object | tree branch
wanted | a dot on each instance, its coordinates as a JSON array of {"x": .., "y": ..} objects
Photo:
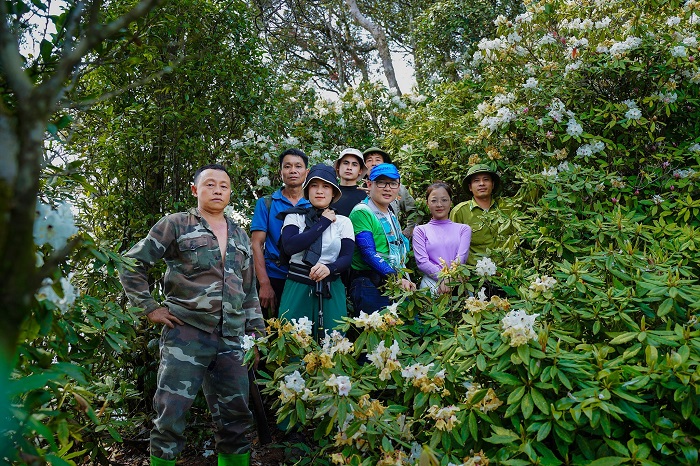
[
  {"x": 96, "y": 33},
  {"x": 12, "y": 64}
]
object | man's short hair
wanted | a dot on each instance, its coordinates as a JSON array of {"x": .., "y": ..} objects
[
  {"x": 212, "y": 166},
  {"x": 296, "y": 152}
]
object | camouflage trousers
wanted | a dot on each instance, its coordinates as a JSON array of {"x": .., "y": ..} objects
[{"x": 189, "y": 359}]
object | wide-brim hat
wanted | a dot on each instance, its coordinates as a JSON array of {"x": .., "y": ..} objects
[
  {"x": 377, "y": 150},
  {"x": 357, "y": 154},
  {"x": 387, "y": 170},
  {"x": 482, "y": 168},
  {"x": 325, "y": 173}
]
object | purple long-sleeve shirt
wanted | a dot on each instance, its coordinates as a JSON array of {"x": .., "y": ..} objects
[{"x": 440, "y": 239}]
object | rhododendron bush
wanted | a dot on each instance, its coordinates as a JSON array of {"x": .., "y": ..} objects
[{"x": 589, "y": 110}]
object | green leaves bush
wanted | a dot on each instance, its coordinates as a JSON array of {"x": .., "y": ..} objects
[{"x": 589, "y": 110}]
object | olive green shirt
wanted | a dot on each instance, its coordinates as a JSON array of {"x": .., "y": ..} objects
[{"x": 491, "y": 228}]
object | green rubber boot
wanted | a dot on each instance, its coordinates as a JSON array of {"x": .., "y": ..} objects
[
  {"x": 155, "y": 461},
  {"x": 234, "y": 459}
]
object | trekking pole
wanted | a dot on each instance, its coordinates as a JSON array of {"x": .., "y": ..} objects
[{"x": 319, "y": 327}]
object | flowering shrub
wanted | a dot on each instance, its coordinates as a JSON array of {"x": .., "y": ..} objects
[{"x": 589, "y": 110}]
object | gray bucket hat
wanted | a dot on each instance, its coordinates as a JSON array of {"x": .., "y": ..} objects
[
  {"x": 358, "y": 156},
  {"x": 325, "y": 173}
]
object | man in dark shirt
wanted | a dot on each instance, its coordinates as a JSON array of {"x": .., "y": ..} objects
[{"x": 350, "y": 168}]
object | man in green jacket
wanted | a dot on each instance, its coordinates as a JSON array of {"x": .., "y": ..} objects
[{"x": 488, "y": 231}]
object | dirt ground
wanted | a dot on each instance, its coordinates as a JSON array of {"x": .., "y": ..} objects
[{"x": 134, "y": 452}]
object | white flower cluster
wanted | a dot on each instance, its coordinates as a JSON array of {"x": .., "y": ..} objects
[
  {"x": 248, "y": 341},
  {"x": 291, "y": 141},
  {"x": 53, "y": 227},
  {"x": 417, "y": 98},
  {"x": 263, "y": 181},
  {"x": 531, "y": 83},
  {"x": 341, "y": 384},
  {"x": 547, "y": 39},
  {"x": 378, "y": 320},
  {"x": 667, "y": 97},
  {"x": 557, "y": 110},
  {"x": 694, "y": 147},
  {"x": 385, "y": 359},
  {"x": 690, "y": 41},
  {"x": 543, "y": 283},
  {"x": 573, "y": 128},
  {"x": 303, "y": 325},
  {"x": 445, "y": 417},
  {"x": 679, "y": 51},
  {"x": 657, "y": 199},
  {"x": 673, "y": 21},
  {"x": 633, "y": 111},
  {"x": 683, "y": 173},
  {"x": 518, "y": 326},
  {"x": 617, "y": 49},
  {"x": 46, "y": 292},
  {"x": 293, "y": 385},
  {"x": 417, "y": 374},
  {"x": 476, "y": 303},
  {"x": 550, "y": 172},
  {"x": 335, "y": 342},
  {"x": 432, "y": 145},
  {"x": 586, "y": 150},
  {"x": 485, "y": 267}
]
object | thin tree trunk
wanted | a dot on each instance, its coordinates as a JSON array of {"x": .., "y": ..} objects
[{"x": 379, "y": 36}]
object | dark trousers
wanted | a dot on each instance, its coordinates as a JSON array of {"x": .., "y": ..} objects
[{"x": 366, "y": 297}]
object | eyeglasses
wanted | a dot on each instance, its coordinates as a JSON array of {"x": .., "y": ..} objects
[{"x": 384, "y": 184}]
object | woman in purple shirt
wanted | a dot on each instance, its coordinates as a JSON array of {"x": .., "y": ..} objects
[{"x": 440, "y": 238}]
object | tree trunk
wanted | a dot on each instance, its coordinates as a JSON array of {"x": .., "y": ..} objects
[{"x": 379, "y": 36}]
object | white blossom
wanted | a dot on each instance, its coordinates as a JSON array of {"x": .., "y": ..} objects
[
  {"x": 673, "y": 21},
  {"x": 248, "y": 342},
  {"x": 263, "y": 181},
  {"x": 690, "y": 41},
  {"x": 531, "y": 83},
  {"x": 573, "y": 128},
  {"x": 678, "y": 51},
  {"x": 657, "y": 199},
  {"x": 341, "y": 384},
  {"x": 485, "y": 267},
  {"x": 291, "y": 141},
  {"x": 633, "y": 114},
  {"x": 543, "y": 283},
  {"x": 550, "y": 172},
  {"x": 47, "y": 292},
  {"x": 518, "y": 326},
  {"x": 53, "y": 226}
]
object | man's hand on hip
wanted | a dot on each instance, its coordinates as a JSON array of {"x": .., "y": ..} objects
[{"x": 163, "y": 316}]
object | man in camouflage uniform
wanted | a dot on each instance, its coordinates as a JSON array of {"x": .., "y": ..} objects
[{"x": 211, "y": 303}]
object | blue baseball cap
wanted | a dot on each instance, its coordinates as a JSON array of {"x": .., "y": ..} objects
[{"x": 388, "y": 170}]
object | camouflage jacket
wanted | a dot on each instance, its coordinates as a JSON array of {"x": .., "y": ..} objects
[{"x": 197, "y": 286}]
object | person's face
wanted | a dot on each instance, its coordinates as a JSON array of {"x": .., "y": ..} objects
[
  {"x": 349, "y": 168},
  {"x": 320, "y": 193},
  {"x": 481, "y": 186},
  {"x": 439, "y": 203},
  {"x": 383, "y": 191},
  {"x": 293, "y": 171},
  {"x": 212, "y": 190},
  {"x": 372, "y": 160}
]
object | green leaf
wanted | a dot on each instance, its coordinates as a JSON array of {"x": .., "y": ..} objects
[
  {"x": 665, "y": 307},
  {"x": 539, "y": 400},
  {"x": 609, "y": 461},
  {"x": 502, "y": 436},
  {"x": 527, "y": 406}
]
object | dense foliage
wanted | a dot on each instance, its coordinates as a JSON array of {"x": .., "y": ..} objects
[{"x": 589, "y": 110}]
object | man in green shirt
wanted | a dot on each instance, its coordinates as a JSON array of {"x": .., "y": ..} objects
[{"x": 486, "y": 215}]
